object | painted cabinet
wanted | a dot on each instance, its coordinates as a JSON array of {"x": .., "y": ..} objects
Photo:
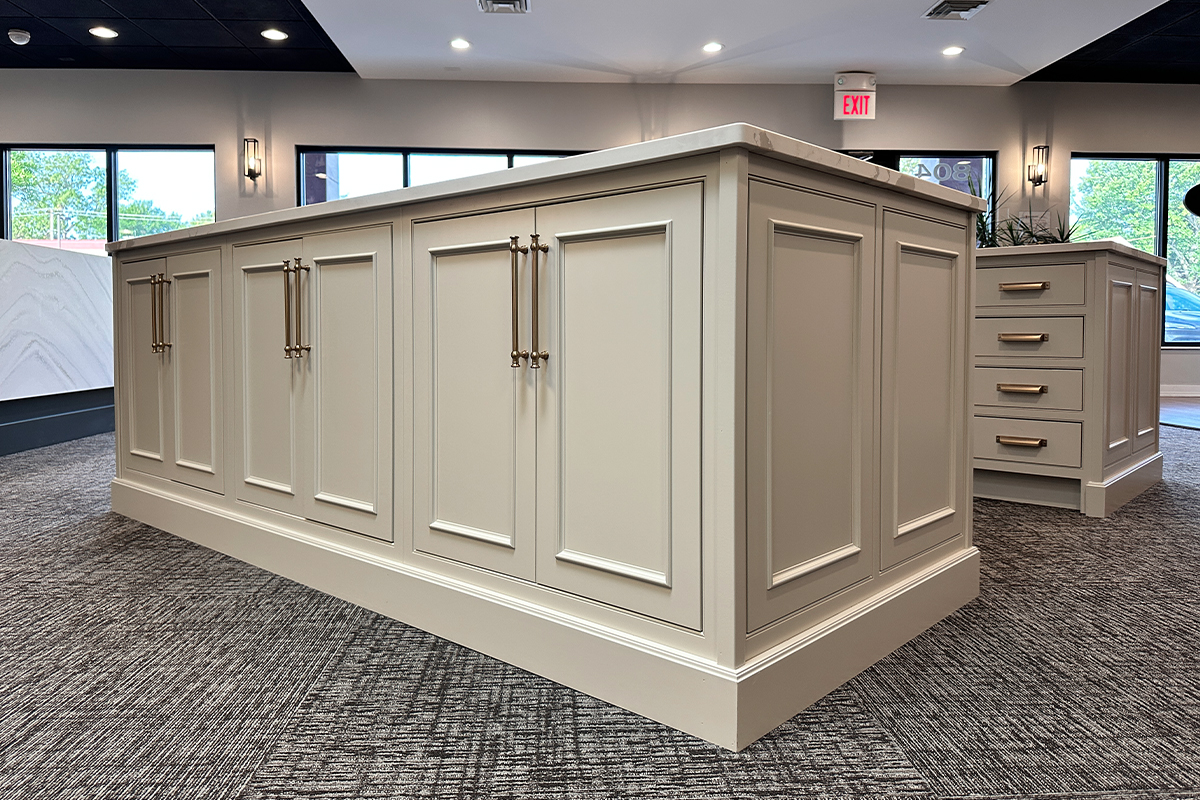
[
  {"x": 1068, "y": 343},
  {"x": 170, "y": 368},
  {"x": 312, "y": 343},
  {"x": 570, "y": 459}
]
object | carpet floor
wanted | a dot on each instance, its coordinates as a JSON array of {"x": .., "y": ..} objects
[{"x": 134, "y": 664}]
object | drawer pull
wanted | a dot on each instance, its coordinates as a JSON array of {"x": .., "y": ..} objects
[
  {"x": 1032, "y": 286},
  {"x": 1023, "y": 337},
  {"x": 516, "y": 251},
  {"x": 1022, "y": 388},
  {"x": 1020, "y": 441}
]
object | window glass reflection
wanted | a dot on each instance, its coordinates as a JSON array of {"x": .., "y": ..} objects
[
  {"x": 433, "y": 167},
  {"x": 59, "y": 198},
  {"x": 164, "y": 190}
]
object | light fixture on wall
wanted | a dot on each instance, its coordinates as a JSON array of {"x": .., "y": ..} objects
[
  {"x": 252, "y": 160},
  {"x": 1037, "y": 164}
]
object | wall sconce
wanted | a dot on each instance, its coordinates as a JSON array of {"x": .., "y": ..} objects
[
  {"x": 1037, "y": 167},
  {"x": 252, "y": 159}
]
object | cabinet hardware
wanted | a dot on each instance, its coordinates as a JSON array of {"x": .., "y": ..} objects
[
  {"x": 154, "y": 313},
  {"x": 516, "y": 250},
  {"x": 1023, "y": 337},
  {"x": 158, "y": 332},
  {"x": 1021, "y": 441},
  {"x": 299, "y": 349},
  {"x": 287, "y": 309},
  {"x": 1022, "y": 388},
  {"x": 534, "y": 249},
  {"x": 1032, "y": 286}
]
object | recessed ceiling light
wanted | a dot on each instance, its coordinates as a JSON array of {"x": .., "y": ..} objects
[
  {"x": 103, "y": 32},
  {"x": 459, "y": 44},
  {"x": 953, "y": 50},
  {"x": 274, "y": 34},
  {"x": 713, "y": 47},
  {"x": 18, "y": 36}
]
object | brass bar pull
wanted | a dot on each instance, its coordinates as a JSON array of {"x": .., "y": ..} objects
[
  {"x": 287, "y": 309},
  {"x": 1023, "y": 337},
  {"x": 154, "y": 314},
  {"x": 1021, "y": 441},
  {"x": 534, "y": 353},
  {"x": 163, "y": 344},
  {"x": 1022, "y": 388},
  {"x": 1032, "y": 286},
  {"x": 298, "y": 348},
  {"x": 516, "y": 251}
]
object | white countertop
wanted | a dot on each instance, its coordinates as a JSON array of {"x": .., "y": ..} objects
[
  {"x": 735, "y": 135},
  {"x": 1111, "y": 245}
]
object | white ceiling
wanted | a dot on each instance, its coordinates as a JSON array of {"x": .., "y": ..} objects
[{"x": 766, "y": 41}]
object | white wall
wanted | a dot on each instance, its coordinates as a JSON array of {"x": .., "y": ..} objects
[{"x": 283, "y": 110}]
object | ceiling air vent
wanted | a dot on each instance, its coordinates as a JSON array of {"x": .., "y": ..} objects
[
  {"x": 504, "y": 6},
  {"x": 951, "y": 9}
]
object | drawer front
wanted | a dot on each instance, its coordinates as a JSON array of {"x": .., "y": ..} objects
[
  {"x": 1048, "y": 285},
  {"x": 1029, "y": 337},
  {"x": 1011, "y": 387},
  {"x": 1030, "y": 441}
]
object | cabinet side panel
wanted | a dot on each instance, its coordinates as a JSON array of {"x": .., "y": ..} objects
[
  {"x": 194, "y": 354},
  {"x": 926, "y": 272},
  {"x": 1149, "y": 343},
  {"x": 1118, "y": 414}
]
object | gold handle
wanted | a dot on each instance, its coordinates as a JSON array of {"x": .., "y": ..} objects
[
  {"x": 287, "y": 309},
  {"x": 1022, "y": 388},
  {"x": 163, "y": 344},
  {"x": 1032, "y": 286},
  {"x": 1021, "y": 441},
  {"x": 534, "y": 353},
  {"x": 1023, "y": 337},
  {"x": 154, "y": 314},
  {"x": 298, "y": 348},
  {"x": 516, "y": 250}
]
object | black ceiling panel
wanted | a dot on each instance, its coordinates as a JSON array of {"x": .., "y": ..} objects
[
  {"x": 168, "y": 34},
  {"x": 1161, "y": 46}
]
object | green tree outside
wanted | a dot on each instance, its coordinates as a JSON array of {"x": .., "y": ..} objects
[{"x": 63, "y": 195}]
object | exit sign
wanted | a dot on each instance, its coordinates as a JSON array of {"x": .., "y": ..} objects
[{"x": 853, "y": 105}]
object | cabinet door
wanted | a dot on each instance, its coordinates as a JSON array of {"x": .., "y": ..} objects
[
  {"x": 1120, "y": 348},
  {"x": 925, "y": 486},
  {"x": 193, "y": 327},
  {"x": 473, "y": 441},
  {"x": 145, "y": 420},
  {"x": 810, "y": 399},
  {"x": 345, "y": 380},
  {"x": 618, "y": 401},
  {"x": 266, "y": 407}
]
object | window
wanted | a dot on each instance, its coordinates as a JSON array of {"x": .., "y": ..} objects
[
  {"x": 80, "y": 198},
  {"x": 1139, "y": 200},
  {"x": 966, "y": 173},
  {"x": 326, "y": 174}
]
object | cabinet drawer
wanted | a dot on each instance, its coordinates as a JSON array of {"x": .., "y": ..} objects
[
  {"x": 1053, "y": 443},
  {"x": 1059, "y": 389},
  {"x": 1022, "y": 337},
  {"x": 1048, "y": 285}
]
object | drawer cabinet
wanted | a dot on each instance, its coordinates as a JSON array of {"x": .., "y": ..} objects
[{"x": 1067, "y": 349}]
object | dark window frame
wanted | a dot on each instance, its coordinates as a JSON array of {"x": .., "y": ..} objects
[
  {"x": 407, "y": 152},
  {"x": 110, "y": 178}
]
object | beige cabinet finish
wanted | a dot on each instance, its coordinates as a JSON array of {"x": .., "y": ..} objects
[
  {"x": 683, "y": 425},
  {"x": 1066, "y": 380},
  {"x": 170, "y": 368}
]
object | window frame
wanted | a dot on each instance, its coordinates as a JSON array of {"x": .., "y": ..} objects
[
  {"x": 1162, "y": 187},
  {"x": 110, "y": 175},
  {"x": 408, "y": 152}
]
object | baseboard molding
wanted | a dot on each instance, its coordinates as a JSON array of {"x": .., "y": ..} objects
[
  {"x": 726, "y": 706},
  {"x": 1179, "y": 390},
  {"x": 31, "y": 422}
]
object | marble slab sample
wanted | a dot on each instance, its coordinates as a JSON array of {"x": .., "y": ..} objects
[{"x": 55, "y": 321}]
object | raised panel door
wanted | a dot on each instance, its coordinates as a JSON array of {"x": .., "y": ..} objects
[
  {"x": 194, "y": 368},
  {"x": 144, "y": 409},
  {"x": 618, "y": 409},
  {"x": 473, "y": 441},
  {"x": 1121, "y": 301},
  {"x": 925, "y": 489},
  {"x": 267, "y": 420},
  {"x": 1147, "y": 356},
  {"x": 344, "y": 379},
  {"x": 810, "y": 399}
]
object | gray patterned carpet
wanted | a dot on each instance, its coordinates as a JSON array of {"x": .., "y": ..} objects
[{"x": 137, "y": 665}]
